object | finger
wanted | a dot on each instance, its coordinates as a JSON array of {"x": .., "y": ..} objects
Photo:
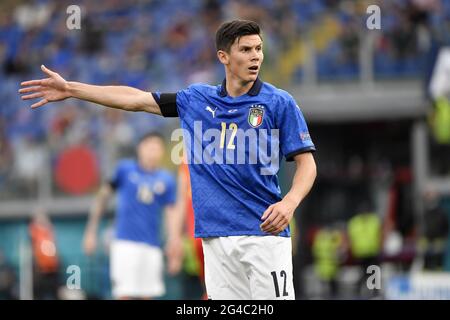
[
  {"x": 274, "y": 224},
  {"x": 30, "y": 89},
  {"x": 47, "y": 70},
  {"x": 270, "y": 219},
  {"x": 282, "y": 226},
  {"x": 33, "y": 96},
  {"x": 275, "y": 233},
  {"x": 279, "y": 230},
  {"x": 268, "y": 224},
  {"x": 267, "y": 212},
  {"x": 280, "y": 223},
  {"x": 31, "y": 82},
  {"x": 39, "y": 104}
]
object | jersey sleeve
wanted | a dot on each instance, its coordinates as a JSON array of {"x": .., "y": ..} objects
[
  {"x": 167, "y": 103},
  {"x": 172, "y": 104},
  {"x": 294, "y": 134},
  {"x": 170, "y": 195},
  {"x": 183, "y": 100}
]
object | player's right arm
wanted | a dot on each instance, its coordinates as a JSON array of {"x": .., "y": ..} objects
[
  {"x": 56, "y": 88},
  {"x": 97, "y": 209}
]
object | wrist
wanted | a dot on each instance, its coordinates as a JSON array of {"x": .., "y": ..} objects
[
  {"x": 294, "y": 200},
  {"x": 174, "y": 238},
  {"x": 91, "y": 229},
  {"x": 70, "y": 88}
]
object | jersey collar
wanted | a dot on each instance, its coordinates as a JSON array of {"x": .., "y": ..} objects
[{"x": 254, "y": 90}]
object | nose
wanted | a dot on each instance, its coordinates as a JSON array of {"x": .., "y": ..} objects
[{"x": 255, "y": 56}]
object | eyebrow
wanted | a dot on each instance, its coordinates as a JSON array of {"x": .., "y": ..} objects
[{"x": 246, "y": 46}]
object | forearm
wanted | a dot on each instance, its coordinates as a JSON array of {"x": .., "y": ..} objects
[
  {"x": 98, "y": 208},
  {"x": 174, "y": 222},
  {"x": 118, "y": 97},
  {"x": 303, "y": 180}
]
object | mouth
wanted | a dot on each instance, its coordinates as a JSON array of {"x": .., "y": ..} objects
[{"x": 253, "y": 69}]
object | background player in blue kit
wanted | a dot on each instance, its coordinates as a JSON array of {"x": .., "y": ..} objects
[
  {"x": 144, "y": 191},
  {"x": 235, "y": 135}
]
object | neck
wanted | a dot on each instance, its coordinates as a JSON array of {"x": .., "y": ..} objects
[
  {"x": 147, "y": 167},
  {"x": 236, "y": 87}
]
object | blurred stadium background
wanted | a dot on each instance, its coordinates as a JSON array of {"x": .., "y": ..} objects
[{"x": 383, "y": 186}]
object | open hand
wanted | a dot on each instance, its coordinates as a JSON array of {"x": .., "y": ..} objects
[{"x": 53, "y": 88}]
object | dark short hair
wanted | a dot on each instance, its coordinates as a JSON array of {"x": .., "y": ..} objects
[
  {"x": 151, "y": 134},
  {"x": 229, "y": 31}
]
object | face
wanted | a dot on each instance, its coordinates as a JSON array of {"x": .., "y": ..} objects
[
  {"x": 244, "y": 59},
  {"x": 150, "y": 152}
]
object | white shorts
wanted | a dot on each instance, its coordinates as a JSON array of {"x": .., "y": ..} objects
[
  {"x": 137, "y": 270},
  {"x": 248, "y": 268}
]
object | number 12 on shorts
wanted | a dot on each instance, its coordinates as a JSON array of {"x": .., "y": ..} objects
[{"x": 275, "y": 283}]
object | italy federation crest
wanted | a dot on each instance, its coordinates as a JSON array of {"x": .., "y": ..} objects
[{"x": 255, "y": 116}]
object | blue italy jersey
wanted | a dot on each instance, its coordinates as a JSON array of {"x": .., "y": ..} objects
[
  {"x": 141, "y": 198},
  {"x": 234, "y": 147}
]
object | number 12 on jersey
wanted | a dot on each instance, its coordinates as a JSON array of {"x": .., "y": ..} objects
[{"x": 233, "y": 127}]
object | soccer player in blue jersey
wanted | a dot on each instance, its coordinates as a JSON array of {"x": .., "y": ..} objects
[
  {"x": 144, "y": 191},
  {"x": 235, "y": 135}
]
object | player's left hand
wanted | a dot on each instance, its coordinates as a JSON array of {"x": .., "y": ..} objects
[{"x": 278, "y": 216}]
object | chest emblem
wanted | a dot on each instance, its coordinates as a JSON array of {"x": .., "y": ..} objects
[
  {"x": 255, "y": 116},
  {"x": 159, "y": 187},
  {"x": 144, "y": 194}
]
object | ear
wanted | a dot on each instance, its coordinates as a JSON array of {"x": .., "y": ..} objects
[{"x": 223, "y": 57}]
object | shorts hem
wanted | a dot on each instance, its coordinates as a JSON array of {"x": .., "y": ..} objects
[
  {"x": 237, "y": 233},
  {"x": 139, "y": 295}
]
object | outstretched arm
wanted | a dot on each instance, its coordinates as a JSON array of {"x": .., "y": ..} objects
[
  {"x": 277, "y": 216},
  {"x": 56, "y": 88}
]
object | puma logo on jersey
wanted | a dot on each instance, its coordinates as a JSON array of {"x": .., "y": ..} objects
[{"x": 208, "y": 108}]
